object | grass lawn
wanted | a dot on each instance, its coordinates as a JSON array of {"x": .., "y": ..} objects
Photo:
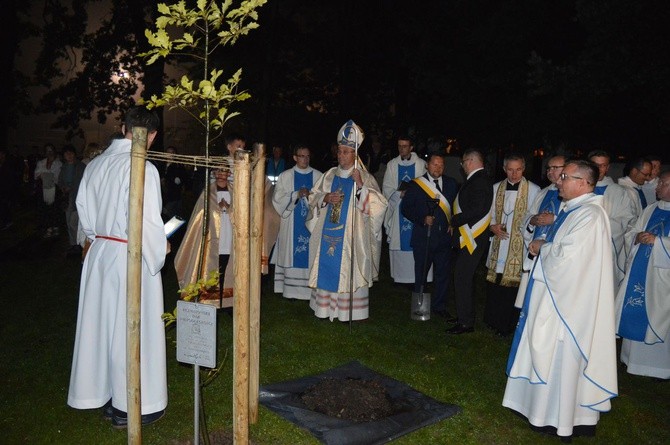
[{"x": 39, "y": 289}]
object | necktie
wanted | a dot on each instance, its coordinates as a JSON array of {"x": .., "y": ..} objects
[{"x": 437, "y": 184}]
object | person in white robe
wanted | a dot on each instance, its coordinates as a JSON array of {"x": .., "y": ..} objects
[
  {"x": 638, "y": 171},
  {"x": 400, "y": 170},
  {"x": 99, "y": 361},
  {"x": 620, "y": 205},
  {"x": 562, "y": 366},
  {"x": 346, "y": 216},
  {"x": 642, "y": 305},
  {"x": 511, "y": 198},
  {"x": 539, "y": 218},
  {"x": 291, "y": 201},
  {"x": 649, "y": 186}
]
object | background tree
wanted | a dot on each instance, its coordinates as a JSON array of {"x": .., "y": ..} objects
[{"x": 79, "y": 61}]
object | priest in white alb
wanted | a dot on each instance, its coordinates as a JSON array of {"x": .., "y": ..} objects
[
  {"x": 643, "y": 302},
  {"x": 291, "y": 201},
  {"x": 399, "y": 172},
  {"x": 562, "y": 366}
]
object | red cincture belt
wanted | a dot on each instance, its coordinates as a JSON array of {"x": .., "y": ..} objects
[{"x": 111, "y": 238}]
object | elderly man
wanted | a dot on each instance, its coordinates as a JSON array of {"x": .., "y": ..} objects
[
  {"x": 291, "y": 201},
  {"x": 562, "y": 364},
  {"x": 638, "y": 171},
  {"x": 472, "y": 208},
  {"x": 347, "y": 211},
  {"x": 621, "y": 210},
  {"x": 643, "y": 306},
  {"x": 511, "y": 199},
  {"x": 99, "y": 363},
  {"x": 399, "y": 172}
]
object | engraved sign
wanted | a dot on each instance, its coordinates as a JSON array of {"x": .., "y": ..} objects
[{"x": 196, "y": 334}]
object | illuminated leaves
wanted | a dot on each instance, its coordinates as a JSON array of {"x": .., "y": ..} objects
[{"x": 196, "y": 33}]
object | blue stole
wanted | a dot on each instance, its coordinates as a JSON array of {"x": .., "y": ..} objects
[
  {"x": 405, "y": 174},
  {"x": 300, "y": 233},
  {"x": 643, "y": 200},
  {"x": 550, "y": 203},
  {"x": 523, "y": 316},
  {"x": 634, "y": 320},
  {"x": 332, "y": 239},
  {"x": 600, "y": 190}
]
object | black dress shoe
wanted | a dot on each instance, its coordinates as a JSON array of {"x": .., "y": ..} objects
[
  {"x": 120, "y": 418},
  {"x": 107, "y": 410},
  {"x": 458, "y": 329}
]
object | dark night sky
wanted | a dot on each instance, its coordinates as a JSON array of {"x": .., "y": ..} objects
[{"x": 575, "y": 74}]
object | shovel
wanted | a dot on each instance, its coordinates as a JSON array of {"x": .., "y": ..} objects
[{"x": 420, "y": 300}]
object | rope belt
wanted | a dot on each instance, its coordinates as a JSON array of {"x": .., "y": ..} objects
[{"x": 111, "y": 238}]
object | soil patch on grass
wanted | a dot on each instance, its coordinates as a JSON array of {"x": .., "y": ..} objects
[{"x": 353, "y": 399}]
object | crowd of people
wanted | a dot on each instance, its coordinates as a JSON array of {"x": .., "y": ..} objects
[{"x": 569, "y": 268}]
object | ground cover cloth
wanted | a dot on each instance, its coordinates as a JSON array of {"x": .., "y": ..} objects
[{"x": 416, "y": 409}]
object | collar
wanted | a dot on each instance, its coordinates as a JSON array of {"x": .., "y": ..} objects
[
  {"x": 512, "y": 187},
  {"x": 473, "y": 172}
]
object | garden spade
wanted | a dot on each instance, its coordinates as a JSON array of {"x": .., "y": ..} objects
[{"x": 421, "y": 300}]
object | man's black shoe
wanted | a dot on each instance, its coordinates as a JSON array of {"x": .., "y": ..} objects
[
  {"x": 460, "y": 329},
  {"x": 107, "y": 410},
  {"x": 120, "y": 418}
]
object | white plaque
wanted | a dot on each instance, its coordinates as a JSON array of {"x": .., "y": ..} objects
[{"x": 196, "y": 334}]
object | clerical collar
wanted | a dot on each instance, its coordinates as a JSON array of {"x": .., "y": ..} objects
[{"x": 512, "y": 187}]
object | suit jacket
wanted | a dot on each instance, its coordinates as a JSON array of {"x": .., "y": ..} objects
[
  {"x": 475, "y": 198},
  {"x": 415, "y": 207}
]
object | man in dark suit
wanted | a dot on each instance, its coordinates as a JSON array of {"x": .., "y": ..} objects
[
  {"x": 471, "y": 219},
  {"x": 427, "y": 203}
]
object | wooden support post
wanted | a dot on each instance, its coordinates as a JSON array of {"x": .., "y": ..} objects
[
  {"x": 256, "y": 248},
  {"x": 134, "y": 284},
  {"x": 241, "y": 188}
]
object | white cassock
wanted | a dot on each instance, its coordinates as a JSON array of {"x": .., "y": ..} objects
[
  {"x": 291, "y": 281},
  {"x": 636, "y": 193},
  {"x": 399, "y": 228},
  {"x": 622, "y": 211},
  {"x": 650, "y": 357},
  {"x": 99, "y": 362},
  {"x": 331, "y": 245},
  {"x": 562, "y": 365}
]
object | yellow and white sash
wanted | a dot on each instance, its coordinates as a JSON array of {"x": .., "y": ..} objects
[
  {"x": 468, "y": 233},
  {"x": 431, "y": 190}
]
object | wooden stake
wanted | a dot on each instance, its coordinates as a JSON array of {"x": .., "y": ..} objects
[
  {"x": 256, "y": 249},
  {"x": 241, "y": 298},
  {"x": 134, "y": 284}
]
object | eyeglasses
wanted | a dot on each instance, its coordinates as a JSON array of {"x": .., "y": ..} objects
[
  {"x": 554, "y": 167},
  {"x": 565, "y": 176},
  {"x": 302, "y": 156},
  {"x": 465, "y": 160}
]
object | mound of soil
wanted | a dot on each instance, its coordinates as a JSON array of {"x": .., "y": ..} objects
[{"x": 357, "y": 400}]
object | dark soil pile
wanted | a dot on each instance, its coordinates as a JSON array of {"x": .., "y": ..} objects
[{"x": 352, "y": 399}]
